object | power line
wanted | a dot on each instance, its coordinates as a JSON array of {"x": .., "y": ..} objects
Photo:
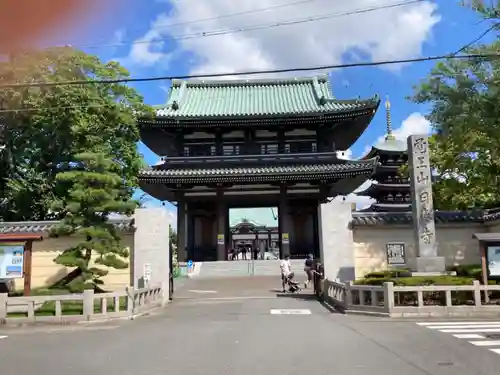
[
  {"x": 477, "y": 39},
  {"x": 285, "y": 23},
  {"x": 487, "y": 56},
  {"x": 231, "y": 15}
]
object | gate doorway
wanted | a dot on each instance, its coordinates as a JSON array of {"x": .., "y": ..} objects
[{"x": 253, "y": 234}]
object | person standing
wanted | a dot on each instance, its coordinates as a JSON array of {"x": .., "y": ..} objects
[
  {"x": 319, "y": 272},
  {"x": 286, "y": 270},
  {"x": 308, "y": 269}
]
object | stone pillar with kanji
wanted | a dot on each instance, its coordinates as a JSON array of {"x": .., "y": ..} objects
[{"x": 424, "y": 228}]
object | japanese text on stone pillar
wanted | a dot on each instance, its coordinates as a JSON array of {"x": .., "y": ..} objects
[{"x": 422, "y": 206}]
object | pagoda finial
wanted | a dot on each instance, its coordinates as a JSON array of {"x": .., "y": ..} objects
[{"x": 388, "y": 119}]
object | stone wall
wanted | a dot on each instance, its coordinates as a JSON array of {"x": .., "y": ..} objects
[
  {"x": 454, "y": 242},
  {"x": 45, "y": 272},
  {"x": 151, "y": 247}
]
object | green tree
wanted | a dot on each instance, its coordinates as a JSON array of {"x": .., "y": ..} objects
[
  {"x": 47, "y": 126},
  {"x": 465, "y": 113},
  {"x": 173, "y": 243},
  {"x": 96, "y": 190},
  {"x": 488, "y": 9}
]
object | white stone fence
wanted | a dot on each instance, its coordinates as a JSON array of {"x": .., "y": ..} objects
[
  {"x": 86, "y": 306},
  {"x": 414, "y": 301}
]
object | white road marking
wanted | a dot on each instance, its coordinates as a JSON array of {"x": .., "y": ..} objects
[
  {"x": 475, "y": 331},
  {"x": 202, "y": 291},
  {"x": 492, "y": 330},
  {"x": 486, "y": 343},
  {"x": 455, "y": 323},
  {"x": 290, "y": 312},
  {"x": 466, "y": 326},
  {"x": 3, "y": 337},
  {"x": 469, "y": 336}
]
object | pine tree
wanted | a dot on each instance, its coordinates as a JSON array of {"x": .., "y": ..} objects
[{"x": 96, "y": 191}]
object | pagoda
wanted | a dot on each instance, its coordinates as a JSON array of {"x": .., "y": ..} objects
[
  {"x": 390, "y": 189},
  {"x": 253, "y": 143}
]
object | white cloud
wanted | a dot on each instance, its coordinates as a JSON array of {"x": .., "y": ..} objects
[
  {"x": 415, "y": 123},
  {"x": 360, "y": 201},
  {"x": 146, "y": 50},
  {"x": 384, "y": 34}
]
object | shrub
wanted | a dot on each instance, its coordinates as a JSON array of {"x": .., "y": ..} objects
[
  {"x": 468, "y": 270},
  {"x": 395, "y": 272},
  {"x": 417, "y": 280}
]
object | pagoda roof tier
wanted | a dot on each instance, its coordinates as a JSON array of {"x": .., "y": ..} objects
[
  {"x": 299, "y": 172},
  {"x": 376, "y": 189},
  {"x": 204, "y": 99},
  {"x": 384, "y": 170},
  {"x": 389, "y": 146}
]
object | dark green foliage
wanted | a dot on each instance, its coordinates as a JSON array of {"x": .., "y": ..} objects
[
  {"x": 96, "y": 190},
  {"x": 468, "y": 270},
  {"x": 57, "y": 122},
  {"x": 464, "y": 102},
  {"x": 417, "y": 280},
  {"x": 397, "y": 272}
]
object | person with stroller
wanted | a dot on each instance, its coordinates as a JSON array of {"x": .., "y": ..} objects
[{"x": 286, "y": 271}]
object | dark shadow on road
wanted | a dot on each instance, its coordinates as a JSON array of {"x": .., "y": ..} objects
[
  {"x": 310, "y": 297},
  {"x": 299, "y": 296}
]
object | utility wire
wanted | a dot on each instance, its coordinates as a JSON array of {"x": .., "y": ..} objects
[
  {"x": 231, "y": 15},
  {"x": 257, "y": 27},
  {"x": 477, "y": 39},
  {"x": 487, "y": 56}
]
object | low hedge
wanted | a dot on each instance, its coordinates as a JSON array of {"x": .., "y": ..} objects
[
  {"x": 398, "y": 272},
  {"x": 467, "y": 270},
  {"x": 417, "y": 280}
]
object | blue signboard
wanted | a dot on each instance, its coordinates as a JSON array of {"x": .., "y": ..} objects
[{"x": 11, "y": 260}]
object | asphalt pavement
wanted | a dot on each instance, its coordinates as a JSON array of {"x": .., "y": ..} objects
[{"x": 219, "y": 333}]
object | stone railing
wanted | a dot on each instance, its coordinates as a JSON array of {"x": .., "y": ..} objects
[
  {"x": 87, "y": 306},
  {"x": 414, "y": 301}
]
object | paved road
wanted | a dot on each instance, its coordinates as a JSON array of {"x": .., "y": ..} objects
[{"x": 207, "y": 335}]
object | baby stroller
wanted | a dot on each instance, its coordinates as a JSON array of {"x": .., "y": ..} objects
[{"x": 293, "y": 286}]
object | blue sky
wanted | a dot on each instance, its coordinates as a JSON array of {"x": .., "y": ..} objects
[{"x": 161, "y": 37}]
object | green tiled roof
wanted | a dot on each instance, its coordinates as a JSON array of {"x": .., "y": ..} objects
[
  {"x": 243, "y": 98},
  {"x": 268, "y": 173}
]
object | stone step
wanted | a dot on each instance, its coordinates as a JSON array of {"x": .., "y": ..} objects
[{"x": 245, "y": 268}]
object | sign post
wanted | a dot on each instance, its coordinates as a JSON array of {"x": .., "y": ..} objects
[
  {"x": 220, "y": 239},
  {"x": 396, "y": 254},
  {"x": 15, "y": 257},
  {"x": 493, "y": 262},
  {"x": 147, "y": 274},
  {"x": 12, "y": 261}
]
